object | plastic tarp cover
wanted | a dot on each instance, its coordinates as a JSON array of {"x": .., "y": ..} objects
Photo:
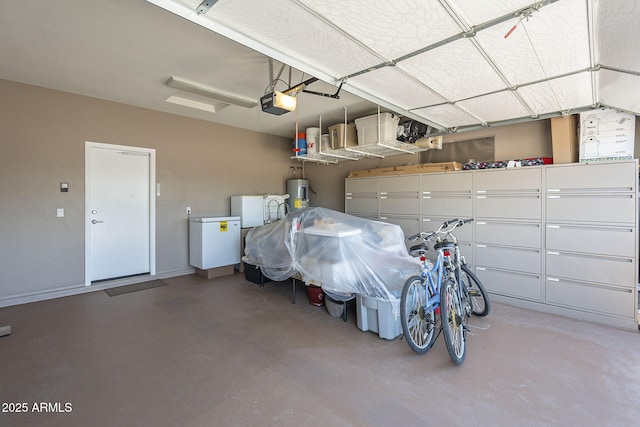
[{"x": 342, "y": 253}]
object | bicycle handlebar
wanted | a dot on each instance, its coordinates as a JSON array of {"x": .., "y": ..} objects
[{"x": 443, "y": 229}]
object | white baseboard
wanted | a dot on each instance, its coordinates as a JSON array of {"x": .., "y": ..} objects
[{"x": 82, "y": 289}]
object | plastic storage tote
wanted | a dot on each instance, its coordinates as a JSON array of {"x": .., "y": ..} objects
[{"x": 367, "y": 128}]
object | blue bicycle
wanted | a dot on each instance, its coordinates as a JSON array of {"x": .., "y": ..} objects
[{"x": 445, "y": 294}]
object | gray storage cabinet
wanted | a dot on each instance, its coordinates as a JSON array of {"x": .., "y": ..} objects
[
  {"x": 591, "y": 238},
  {"x": 400, "y": 202},
  {"x": 446, "y": 196},
  {"x": 556, "y": 238},
  {"x": 508, "y": 240},
  {"x": 361, "y": 197}
]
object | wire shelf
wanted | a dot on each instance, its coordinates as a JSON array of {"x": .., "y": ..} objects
[
  {"x": 380, "y": 150},
  {"x": 388, "y": 148}
]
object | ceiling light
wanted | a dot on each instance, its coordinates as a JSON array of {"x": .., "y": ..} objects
[
  {"x": 196, "y": 104},
  {"x": 209, "y": 92},
  {"x": 278, "y": 103}
]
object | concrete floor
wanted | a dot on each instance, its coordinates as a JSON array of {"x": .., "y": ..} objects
[{"x": 224, "y": 352}]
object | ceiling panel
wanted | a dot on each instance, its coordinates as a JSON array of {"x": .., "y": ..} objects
[
  {"x": 448, "y": 115},
  {"x": 411, "y": 24},
  {"x": 617, "y": 40},
  {"x": 553, "y": 42},
  {"x": 392, "y": 84},
  {"x": 294, "y": 32},
  {"x": 496, "y": 107},
  {"x": 619, "y": 90},
  {"x": 561, "y": 94},
  {"x": 456, "y": 71}
]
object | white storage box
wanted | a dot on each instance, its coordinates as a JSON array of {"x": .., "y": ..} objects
[
  {"x": 367, "y": 128},
  {"x": 380, "y": 316}
]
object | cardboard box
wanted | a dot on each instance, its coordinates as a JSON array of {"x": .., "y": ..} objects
[
  {"x": 409, "y": 169},
  {"x": 564, "y": 139},
  {"x": 212, "y": 273}
]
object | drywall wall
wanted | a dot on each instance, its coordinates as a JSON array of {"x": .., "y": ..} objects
[
  {"x": 530, "y": 139},
  {"x": 42, "y": 143}
]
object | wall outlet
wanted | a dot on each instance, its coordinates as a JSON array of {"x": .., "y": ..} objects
[{"x": 188, "y": 210}]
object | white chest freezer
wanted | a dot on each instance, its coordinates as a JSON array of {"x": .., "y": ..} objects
[{"x": 214, "y": 241}]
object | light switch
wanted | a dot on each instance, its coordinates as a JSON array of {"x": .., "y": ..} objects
[
  {"x": 60, "y": 212},
  {"x": 64, "y": 187}
]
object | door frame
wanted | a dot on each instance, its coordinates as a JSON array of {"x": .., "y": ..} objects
[{"x": 87, "y": 201}]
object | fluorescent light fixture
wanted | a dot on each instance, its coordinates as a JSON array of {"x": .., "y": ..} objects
[
  {"x": 278, "y": 103},
  {"x": 209, "y": 108},
  {"x": 209, "y": 92}
]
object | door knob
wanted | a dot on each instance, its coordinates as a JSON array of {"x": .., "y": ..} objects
[{"x": 95, "y": 221}]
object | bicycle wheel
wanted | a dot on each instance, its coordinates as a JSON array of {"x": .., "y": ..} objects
[
  {"x": 453, "y": 321},
  {"x": 480, "y": 305},
  {"x": 418, "y": 325}
]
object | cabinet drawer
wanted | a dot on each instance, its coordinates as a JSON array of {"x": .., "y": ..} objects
[
  {"x": 508, "y": 258},
  {"x": 616, "y": 241},
  {"x": 590, "y": 297},
  {"x": 509, "y": 180},
  {"x": 355, "y": 204},
  {"x": 516, "y": 206},
  {"x": 410, "y": 224},
  {"x": 510, "y": 283},
  {"x": 607, "y": 208},
  {"x": 464, "y": 233},
  {"x": 361, "y": 185},
  {"x": 405, "y": 203},
  {"x": 447, "y": 182},
  {"x": 391, "y": 184},
  {"x": 591, "y": 268},
  {"x": 449, "y": 205},
  {"x": 509, "y": 233},
  {"x": 604, "y": 176}
]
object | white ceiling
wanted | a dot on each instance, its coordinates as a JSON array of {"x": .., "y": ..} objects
[{"x": 446, "y": 63}]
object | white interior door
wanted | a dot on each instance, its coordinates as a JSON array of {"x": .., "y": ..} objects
[{"x": 119, "y": 211}]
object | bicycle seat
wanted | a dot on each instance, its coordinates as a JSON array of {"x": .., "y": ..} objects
[
  {"x": 441, "y": 245},
  {"x": 418, "y": 250}
]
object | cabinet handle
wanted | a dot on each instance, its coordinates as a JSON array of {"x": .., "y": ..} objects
[
  {"x": 553, "y": 279},
  {"x": 553, "y": 253}
]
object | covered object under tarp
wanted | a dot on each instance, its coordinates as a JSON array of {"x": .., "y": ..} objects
[{"x": 342, "y": 253}]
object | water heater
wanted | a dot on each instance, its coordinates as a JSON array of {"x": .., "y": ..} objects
[{"x": 298, "y": 190}]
